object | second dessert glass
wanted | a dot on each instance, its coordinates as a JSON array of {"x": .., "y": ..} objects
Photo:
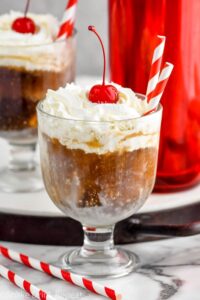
[
  {"x": 99, "y": 173},
  {"x": 20, "y": 90}
]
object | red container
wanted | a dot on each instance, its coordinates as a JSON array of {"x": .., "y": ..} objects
[{"x": 134, "y": 25}]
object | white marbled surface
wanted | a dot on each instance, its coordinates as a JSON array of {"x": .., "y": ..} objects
[{"x": 170, "y": 270}]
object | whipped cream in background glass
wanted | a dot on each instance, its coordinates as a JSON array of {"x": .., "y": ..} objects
[
  {"x": 17, "y": 50},
  {"x": 129, "y": 134}
]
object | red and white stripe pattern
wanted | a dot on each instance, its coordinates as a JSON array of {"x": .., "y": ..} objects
[
  {"x": 156, "y": 94},
  {"x": 24, "y": 284},
  {"x": 67, "y": 24},
  {"x": 156, "y": 65},
  {"x": 77, "y": 280}
]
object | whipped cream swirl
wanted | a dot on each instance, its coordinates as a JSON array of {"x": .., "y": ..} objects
[{"x": 99, "y": 128}]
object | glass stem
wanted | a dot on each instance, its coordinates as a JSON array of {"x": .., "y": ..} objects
[
  {"x": 22, "y": 157},
  {"x": 97, "y": 240}
]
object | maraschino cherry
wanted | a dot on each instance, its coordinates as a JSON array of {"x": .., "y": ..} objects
[
  {"x": 102, "y": 93},
  {"x": 24, "y": 24}
]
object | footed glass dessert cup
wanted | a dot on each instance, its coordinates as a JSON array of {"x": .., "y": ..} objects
[
  {"x": 99, "y": 173},
  {"x": 30, "y": 64}
]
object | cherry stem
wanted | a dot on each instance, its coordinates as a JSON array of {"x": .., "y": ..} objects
[
  {"x": 93, "y": 29},
  {"x": 27, "y": 8}
]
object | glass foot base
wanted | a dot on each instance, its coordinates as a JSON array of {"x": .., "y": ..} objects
[
  {"x": 21, "y": 181},
  {"x": 114, "y": 263}
]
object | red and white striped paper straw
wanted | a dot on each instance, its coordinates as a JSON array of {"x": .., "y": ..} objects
[
  {"x": 77, "y": 280},
  {"x": 67, "y": 25},
  {"x": 24, "y": 284},
  {"x": 155, "y": 65},
  {"x": 156, "y": 94}
]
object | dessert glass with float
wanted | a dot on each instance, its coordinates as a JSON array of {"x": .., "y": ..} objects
[
  {"x": 32, "y": 60},
  {"x": 98, "y": 158}
]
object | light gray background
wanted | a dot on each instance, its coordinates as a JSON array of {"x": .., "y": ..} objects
[{"x": 90, "y": 12}]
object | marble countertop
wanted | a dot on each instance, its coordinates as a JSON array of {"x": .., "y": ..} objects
[{"x": 170, "y": 270}]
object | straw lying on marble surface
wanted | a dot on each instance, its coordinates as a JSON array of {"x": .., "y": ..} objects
[
  {"x": 74, "y": 279},
  {"x": 23, "y": 284}
]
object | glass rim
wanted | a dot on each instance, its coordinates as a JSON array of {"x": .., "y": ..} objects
[
  {"x": 56, "y": 42},
  {"x": 40, "y": 110}
]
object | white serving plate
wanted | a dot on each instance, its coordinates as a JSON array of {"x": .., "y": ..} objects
[{"x": 39, "y": 204}]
